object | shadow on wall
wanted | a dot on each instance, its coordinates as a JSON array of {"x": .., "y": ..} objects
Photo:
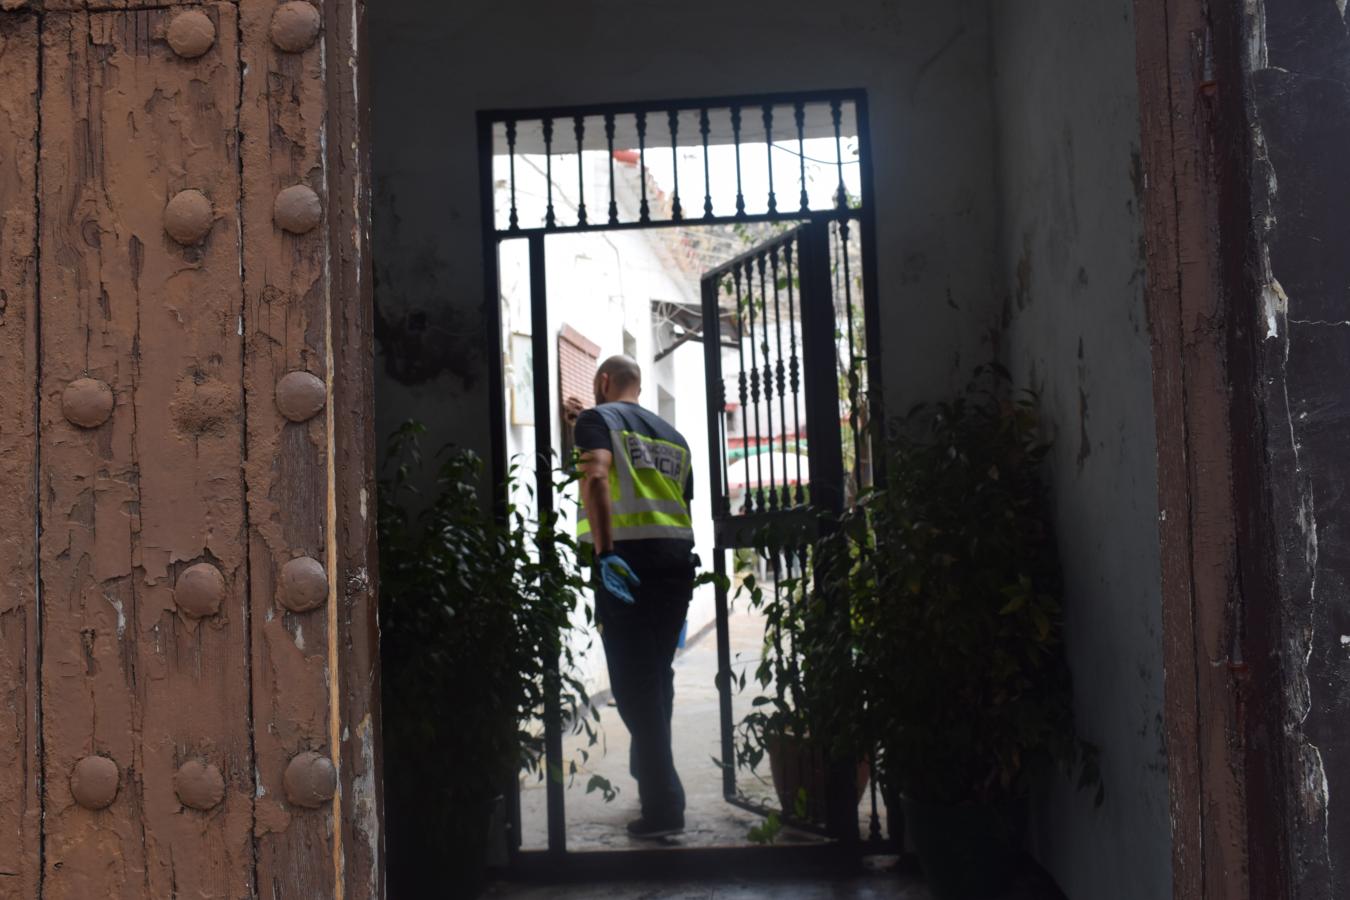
[{"x": 422, "y": 330}]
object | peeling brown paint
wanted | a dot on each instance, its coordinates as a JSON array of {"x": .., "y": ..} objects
[
  {"x": 282, "y": 119},
  {"x": 138, "y": 508},
  {"x": 191, "y": 615},
  {"x": 19, "y": 767}
]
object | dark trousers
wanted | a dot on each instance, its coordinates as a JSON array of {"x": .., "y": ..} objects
[{"x": 640, "y": 642}]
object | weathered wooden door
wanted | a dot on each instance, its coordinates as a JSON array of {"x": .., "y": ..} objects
[{"x": 187, "y": 636}]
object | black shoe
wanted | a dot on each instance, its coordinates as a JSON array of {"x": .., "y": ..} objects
[{"x": 648, "y": 829}]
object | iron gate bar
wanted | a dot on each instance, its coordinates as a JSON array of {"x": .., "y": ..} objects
[
  {"x": 742, "y": 387},
  {"x": 513, "y": 218},
  {"x": 767, "y": 376},
  {"x": 794, "y": 367},
  {"x": 736, "y": 140},
  {"x": 782, "y": 386},
  {"x": 644, "y": 210},
  {"x": 543, "y": 450},
  {"x": 799, "y": 115},
  {"x": 754, "y": 384},
  {"x": 613, "y": 201},
  {"x": 836, "y": 113},
  {"x": 707, "y": 177},
  {"x": 676, "y": 213},
  {"x": 579, "y": 128},
  {"x": 717, "y": 480},
  {"x": 768, "y": 149},
  {"x": 867, "y": 220}
]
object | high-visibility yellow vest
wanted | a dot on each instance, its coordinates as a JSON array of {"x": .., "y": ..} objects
[{"x": 646, "y": 490}]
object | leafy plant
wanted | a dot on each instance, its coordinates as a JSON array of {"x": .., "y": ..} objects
[
  {"x": 955, "y": 617},
  {"x": 475, "y": 613}
]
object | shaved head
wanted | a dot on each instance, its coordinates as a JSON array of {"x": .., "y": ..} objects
[{"x": 618, "y": 378}]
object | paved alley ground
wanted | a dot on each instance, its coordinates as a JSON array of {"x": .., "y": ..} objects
[{"x": 593, "y": 824}]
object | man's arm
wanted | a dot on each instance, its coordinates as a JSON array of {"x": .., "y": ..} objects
[{"x": 595, "y": 465}]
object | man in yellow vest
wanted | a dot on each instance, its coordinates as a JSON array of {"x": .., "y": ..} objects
[{"x": 636, "y": 488}]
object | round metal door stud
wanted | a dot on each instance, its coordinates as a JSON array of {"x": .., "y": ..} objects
[
  {"x": 295, "y": 25},
  {"x": 94, "y": 782},
  {"x": 87, "y": 402},
  {"x": 310, "y": 780},
  {"x": 188, "y": 217},
  {"x": 300, "y": 396},
  {"x": 199, "y": 785},
  {"x": 191, "y": 34},
  {"x": 297, "y": 209},
  {"x": 200, "y": 591},
  {"x": 304, "y": 585}
]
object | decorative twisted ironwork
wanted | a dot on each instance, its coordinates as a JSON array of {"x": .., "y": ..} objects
[
  {"x": 676, "y": 213},
  {"x": 799, "y": 114},
  {"x": 768, "y": 148},
  {"x": 579, "y": 128},
  {"x": 748, "y": 505},
  {"x": 514, "y": 220},
  {"x": 703, "y": 129},
  {"x": 768, "y": 379},
  {"x": 550, "y": 220},
  {"x": 644, "y": 210},
  {"x": 754, "y": 387},
  {"x": 837, "y": 116},
  {"x": 736, "y": 139},
  {"x": 794, "y": 365},
  {"x": 781, "y": 374},
  {"x": 609, "y": 140}
]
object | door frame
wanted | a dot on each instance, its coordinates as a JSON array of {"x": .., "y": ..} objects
[{"x": 863, "y": 212}]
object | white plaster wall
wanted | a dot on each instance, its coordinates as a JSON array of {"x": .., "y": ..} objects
[{"x": 1074, "y": 329}]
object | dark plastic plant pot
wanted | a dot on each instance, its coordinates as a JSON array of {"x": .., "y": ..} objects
[{"x": 968, "y": 851}]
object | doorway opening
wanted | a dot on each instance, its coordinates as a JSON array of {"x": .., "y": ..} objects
[{"x": 727, "y": 245}]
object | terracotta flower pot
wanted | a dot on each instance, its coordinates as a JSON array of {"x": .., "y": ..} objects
[{"x": 798, "y": 764}]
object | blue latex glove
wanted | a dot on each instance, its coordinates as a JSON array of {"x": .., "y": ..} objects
[{"x": 618, "y": 577}]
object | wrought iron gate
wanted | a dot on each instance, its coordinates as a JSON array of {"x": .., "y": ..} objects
[
  {"x": 825, "y": 252},
  {"x": 788, "y": 446}
]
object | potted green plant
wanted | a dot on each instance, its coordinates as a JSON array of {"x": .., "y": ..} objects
[
  {"x": 954, "y": 590},
  {"x": 786, "y": 724},
  {"x": 474, "y": 611}
]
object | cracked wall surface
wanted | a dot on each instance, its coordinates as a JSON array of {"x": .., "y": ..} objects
[
  {"x": 1299, "y": 103},
  {"x": 1073, "y": 328}
]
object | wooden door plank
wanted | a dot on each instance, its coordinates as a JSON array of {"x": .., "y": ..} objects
[
  {"x": 1181, "y": 118},
  {"x": 288, "y": 474},
  {"x": 20, "y": 812},
  {"x": 140, "y": 674},
  {"x": 348, "y": 161}
]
